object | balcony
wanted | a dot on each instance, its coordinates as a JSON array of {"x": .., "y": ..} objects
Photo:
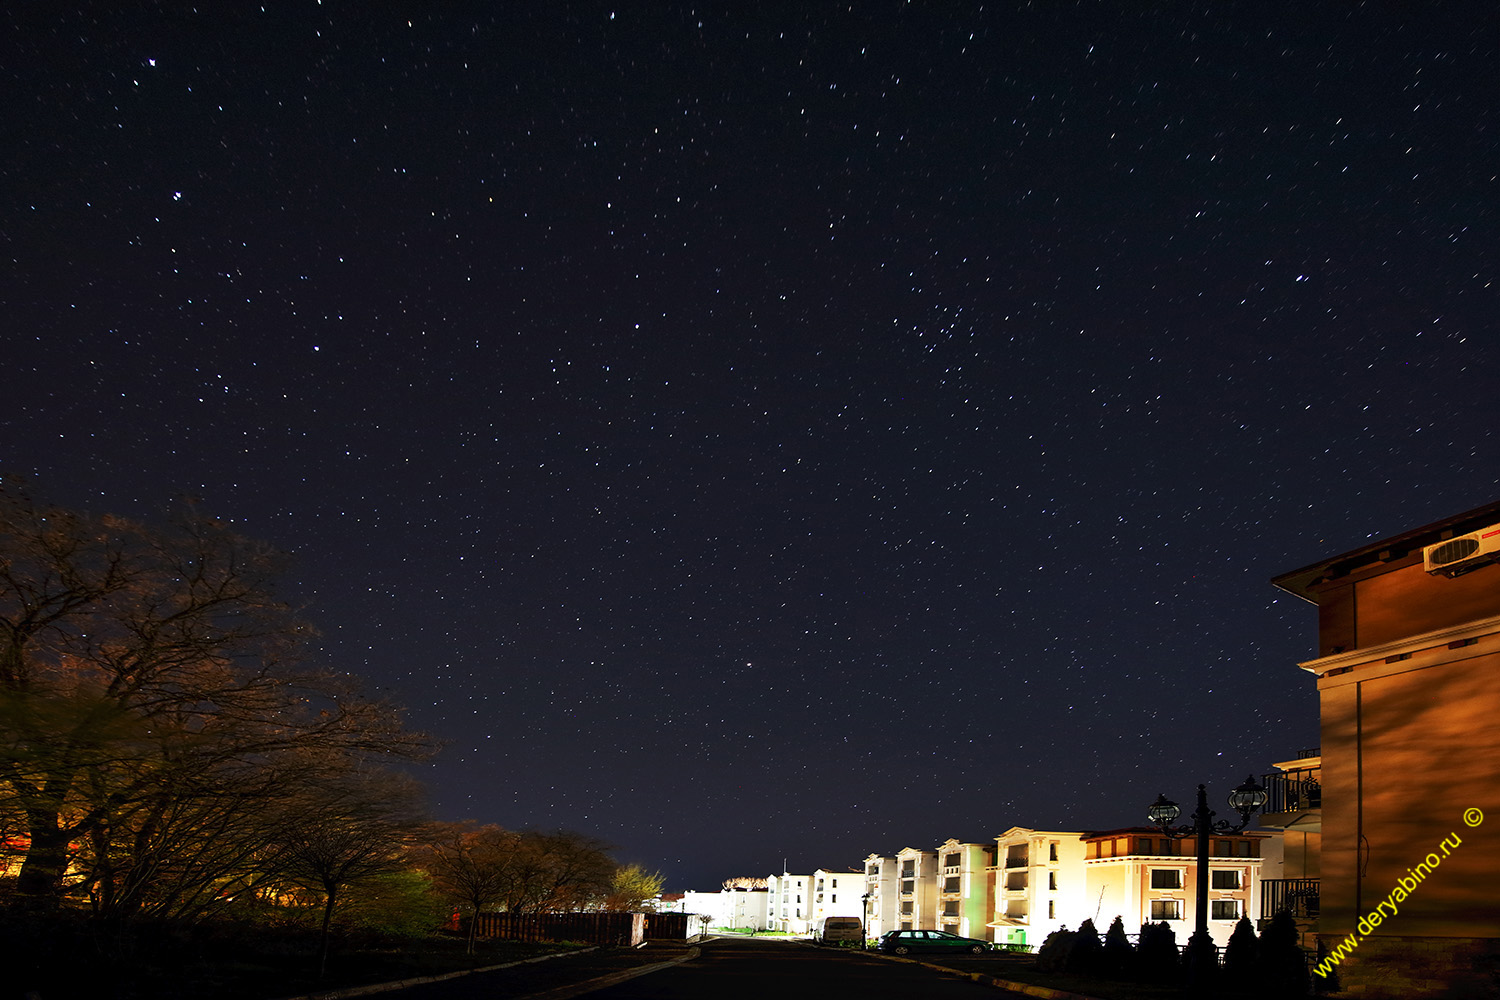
[
  {"x": 1017, "y": 862},
  {"x": 1294, "y": 799},
  {"x": 1298, "y": 896}
]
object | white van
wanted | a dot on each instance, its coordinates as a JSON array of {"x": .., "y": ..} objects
[{"x": 841, "y": 931}]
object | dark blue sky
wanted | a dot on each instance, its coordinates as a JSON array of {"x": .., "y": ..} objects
[{"x": 772, "y": 433}]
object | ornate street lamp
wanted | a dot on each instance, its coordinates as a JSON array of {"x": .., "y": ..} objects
[
  {"x": 1246, "y": 800},
  {"x": 864, "y": 930}
]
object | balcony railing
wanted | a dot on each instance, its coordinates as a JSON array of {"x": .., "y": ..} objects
[
  {"x": 1298, "y": 896},
  {"x": 1019, "y": 862},
  {"x": 1297, "y": 790}
]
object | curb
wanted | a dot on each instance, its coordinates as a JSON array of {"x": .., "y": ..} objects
[
  {"x": 401, "y": 984},
  {"x": 984, "y": 979}
]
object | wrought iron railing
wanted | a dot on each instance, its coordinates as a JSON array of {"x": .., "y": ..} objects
[
  {"x": 1297, "y": 790},
  {"x": 1298, "y": 896}
]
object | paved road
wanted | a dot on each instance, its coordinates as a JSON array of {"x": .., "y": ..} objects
[{"x": 738, "y": 969}]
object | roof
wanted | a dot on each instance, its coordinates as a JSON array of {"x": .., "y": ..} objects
[
  {"x": 1300, "y": 582},
  {"x": 1156, "y": 830}
]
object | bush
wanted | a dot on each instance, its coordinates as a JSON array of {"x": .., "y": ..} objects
[
  {"x": 1052, "y": 956},
  {"x": 1282, "y": 965},
  {"x": 1087, "y": 953},
  {"x": 1156, "y": 958},
  {"x": 1119, "y": 955},
  {"x": 1242, "y": 954}
]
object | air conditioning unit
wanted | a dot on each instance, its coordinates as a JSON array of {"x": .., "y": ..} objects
[{"x": 1461, "y": 554}]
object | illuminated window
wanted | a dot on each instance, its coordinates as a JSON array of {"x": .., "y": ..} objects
[
  {"x": 1166, "y": 909},
  {"x": 1225, "y": 880},
  {"x": 1224, "y": 909},
  {"x": 1166, "y": 878}
]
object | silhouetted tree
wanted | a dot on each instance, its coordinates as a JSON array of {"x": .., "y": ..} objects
[
  {"x": 1156, "y": 955},
  {"x": 1283, "y": 965},
  {"x": 1242, "y": 954},
  {"x": 1087, "y": 951},
  {"x": 1119, "y": 955}
]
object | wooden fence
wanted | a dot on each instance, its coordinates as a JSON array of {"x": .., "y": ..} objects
[{"x": 595, "y": 928}]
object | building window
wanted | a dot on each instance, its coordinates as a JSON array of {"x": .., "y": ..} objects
[
  {"x": 950, "y": 908},
  {"x": 1242, "y": 849},
  {"x": 905, "y": 908},
  {"x": 1225, "y": 879},
  {"x": 950, "y": 861},
  {"x": 908, "y": 887},
  {"x": 1166, "y": 878},
  {"x": 1224, "y": 909},
  {"x": 835, "y": 898},
  {"x": 1051, "y": 908},
  {"x": 1146, "y": 845},
  {"x": 1052, "y": 880},
  {"x": 950, "y": 884},
  {"x": 1052, "y": 851},
  {"x": 906, "y": 925},
  {"x": 873, "y": 870},
  {"x": 908, "y": 870},
  {"x": 1166, "y": 909}
]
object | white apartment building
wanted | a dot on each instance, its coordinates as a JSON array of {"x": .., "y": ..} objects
[
  {"x": 1040, "y": 885},
  {"x": 789, "y": 904},
  {"x": 965, "y": 891},
  {"x": 916, "y": 889},
  {"x": 730, "y": 909},
  {"x": 883, "y": 903}
]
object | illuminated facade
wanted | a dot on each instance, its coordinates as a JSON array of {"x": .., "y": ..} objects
[
  {"x": 965, "y": 891},
  {"x": 731, "y": 908},
  {"x": 789, "y": 903},
  {"x": 1141, "y": 876},
  {"x": 1038, "y": 885},
  {"x": 881, "y": 888},
  {"x": 916, "y": 889},
  {"x": 1408, "y": 681}
]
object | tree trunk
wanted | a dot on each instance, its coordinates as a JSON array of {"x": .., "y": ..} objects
[
  {"x": 332, "y": 898},
  {"x": 40, "y": 881}
]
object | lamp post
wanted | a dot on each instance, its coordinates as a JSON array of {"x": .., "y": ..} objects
[
  {"x": 864, "y": 922},
  {"x": 1245, "y": 800}
]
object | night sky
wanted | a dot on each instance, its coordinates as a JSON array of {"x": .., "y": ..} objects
[{"x": 756, "y": 433}]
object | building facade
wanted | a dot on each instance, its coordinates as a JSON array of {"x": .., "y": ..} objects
[
  {"x": 1140, "y": 875},
  {"x": 883, "y": 904},
  {"x": 1038, "y": 880},
  {"x": 1408, "y": 682},
  {"x": 916, "y": 889},
  {"x": 965, "y": 892}
]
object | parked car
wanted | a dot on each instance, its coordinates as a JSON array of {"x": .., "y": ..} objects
[
  {"x": 902, "y": 942},
  {"x": 842, "y": 930}
]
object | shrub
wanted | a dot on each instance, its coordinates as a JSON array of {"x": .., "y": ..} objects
[
  {"x": 1119, "y": 954},
  {"x": 1283, "y": 967},
  {"x": 1156, "y": 958},
  {"x": 1242, "y": 954}
]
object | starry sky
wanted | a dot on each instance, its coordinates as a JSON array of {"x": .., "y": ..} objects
[{"x": 771, "y": 433}]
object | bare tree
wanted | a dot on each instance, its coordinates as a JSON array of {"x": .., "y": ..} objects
[
  {"x": 472, "y": 865},
  {"x": 150, "y": 682},
  {"x": 353, "y": 831},
  {"x": 558, "y": 871}
]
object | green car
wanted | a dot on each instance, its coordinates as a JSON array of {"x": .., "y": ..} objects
[{"x": 904, "y": 942}]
